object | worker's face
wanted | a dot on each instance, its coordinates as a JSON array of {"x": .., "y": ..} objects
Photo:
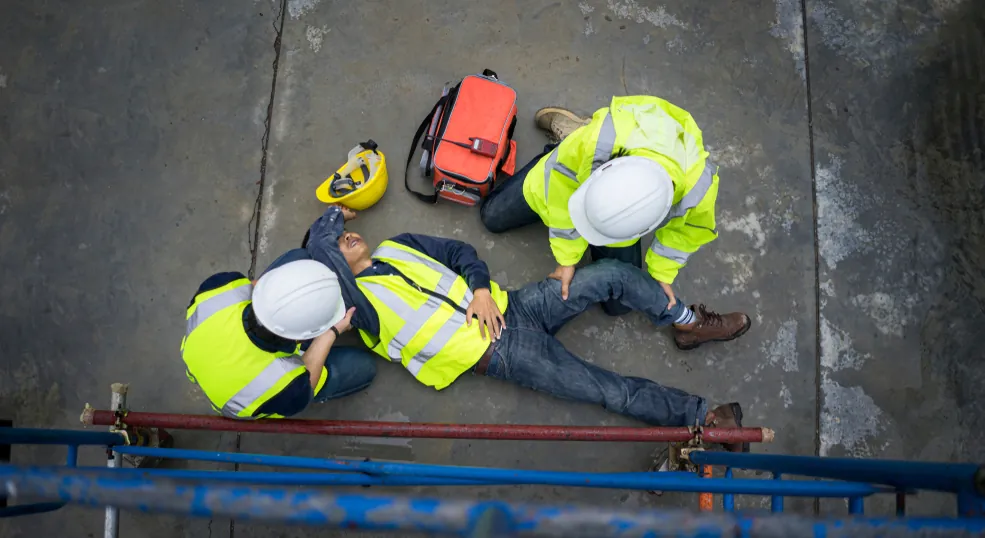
[{"x": 353, "y": 248}]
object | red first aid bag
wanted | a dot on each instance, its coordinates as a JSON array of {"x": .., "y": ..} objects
[{"x": 467, "y": 140}]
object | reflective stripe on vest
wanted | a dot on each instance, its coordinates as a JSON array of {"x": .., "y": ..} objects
[
  {"x": 605, "y": 143},
  {"x": 260, "y": 385},
  {"x": 565, "y": 171},
  {"x": 548, "y": 166},
  {"x": 688, "y": 202},
  {"x": 661, "y": 249},
  {"x": 273, "y": 372},
  {"x": 447, "y": 276},
  {"x": 213, "y": 304},
  {"x": 416, "y": 319},
  {"x": 694, "y": 196},
  {"x": 561, "y": 233}
]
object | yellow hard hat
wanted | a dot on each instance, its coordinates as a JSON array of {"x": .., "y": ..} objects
[{"x": 360, "y": 182}]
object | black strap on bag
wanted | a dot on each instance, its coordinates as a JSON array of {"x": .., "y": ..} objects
[{"x": 431, "y": 198}]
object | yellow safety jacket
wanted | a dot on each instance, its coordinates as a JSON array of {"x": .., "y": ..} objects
[
  {"x": 422, "y": 316},
  {"x": 637, "y": 125},
  {"x": 236, "y": 375}
]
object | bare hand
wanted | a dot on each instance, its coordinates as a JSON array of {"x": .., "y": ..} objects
[
  {"x": 670, "y": 294},
  {"x": 485, "y": 308},
  {"x": 347, "y": 214},
  {"x": 345, "y": 323},
  {"x": 564, "y": 273}
]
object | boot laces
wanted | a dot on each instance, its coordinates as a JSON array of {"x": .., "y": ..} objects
[{"x": 709, "y": 317}]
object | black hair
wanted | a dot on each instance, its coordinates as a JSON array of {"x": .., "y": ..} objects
[{"x": 261, "y": 336}]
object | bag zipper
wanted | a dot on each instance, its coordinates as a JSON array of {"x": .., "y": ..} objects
[{"x": 435, "y": 294}]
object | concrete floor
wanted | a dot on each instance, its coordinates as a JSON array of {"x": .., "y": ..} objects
[{"x": 131, "y": 142}]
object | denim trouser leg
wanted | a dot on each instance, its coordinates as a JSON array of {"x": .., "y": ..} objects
[
  {"x": 598, "y": 282},
  {"x": 529, "y": 355},
  {"x": 632, "y": 255},
  {"x": 505, "y": 208},
  {"x": 350, "y": 370},
  {"x": 536, "y": 360}
]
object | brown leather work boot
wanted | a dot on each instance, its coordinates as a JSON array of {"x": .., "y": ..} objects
[
  {"x": 709, "y": 326},
  {"x": 558, "y": 122},
  {"x": 727, "y": 416}
]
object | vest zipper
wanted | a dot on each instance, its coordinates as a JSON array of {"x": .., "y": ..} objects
[{"x": 431, "y": 293}]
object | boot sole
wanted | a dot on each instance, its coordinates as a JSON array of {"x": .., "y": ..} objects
[
  {"x": 742, "y": 331},
  {"x": 558, "y": 110}
]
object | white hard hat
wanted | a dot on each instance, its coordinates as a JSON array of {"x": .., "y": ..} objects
[
  {"x": 298, "y": 300},
  {"x": 625, "y": 198}
]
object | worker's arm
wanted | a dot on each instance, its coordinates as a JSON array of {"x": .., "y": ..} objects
[
  {"x": 326, "y": 230},
  {"x": 323, "y": 246},
  {"x": 293, "y": 255},
  {"x": 458, "y": 256},
  {"x": 314, "y": 358},
  {"x": 296, "y": 396},
  {"x": 674, "y": 243},
  {"x": 574, "y": 162}
]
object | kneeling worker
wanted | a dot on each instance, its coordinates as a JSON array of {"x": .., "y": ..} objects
[
  {"x": 416, "y": 297},
  {"x": 637, "y": 167},
  {"x": 242, "y": 341}
]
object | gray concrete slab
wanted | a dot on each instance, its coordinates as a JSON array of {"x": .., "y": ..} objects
[
  {"x": 129, "y": 150},
  {"x": 348, "y": 74},
  {"x": 898, "y": 137}
]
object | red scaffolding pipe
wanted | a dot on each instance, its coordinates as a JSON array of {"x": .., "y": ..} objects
[{"x": 423, "y": 430}]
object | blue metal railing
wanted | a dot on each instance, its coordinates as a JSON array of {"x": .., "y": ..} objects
[
  {"x": 72, "y": 439},
  {"x": 273, "y": 496}
]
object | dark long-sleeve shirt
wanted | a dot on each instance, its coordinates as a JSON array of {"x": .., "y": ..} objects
[{"x": 323, "y": 246}]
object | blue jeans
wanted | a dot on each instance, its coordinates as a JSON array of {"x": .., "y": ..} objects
[
  {"x": 350, "y": 370},
  {"x": 506, "y": 209},
  {"x": 528, "y": 353}
]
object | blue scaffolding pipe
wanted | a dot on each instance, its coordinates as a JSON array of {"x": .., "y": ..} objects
[
  {"x": 35, "y": 436},
  {"x": 274, "y": 478},
  {"x": 316, "y": 507},
  {"x": 776, "y": 502},
  {"x": 686, "y": 482},
  {"x": 952, "y": 477},
  {"x": 728, "y": 499},
  {"x": 71, "y": 460}
]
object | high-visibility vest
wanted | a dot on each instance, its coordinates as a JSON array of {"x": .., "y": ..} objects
[
  {"x": 422, "y": 316},
  {"x": 637, "y": 125},
  {"x": 236, "y": 375}
]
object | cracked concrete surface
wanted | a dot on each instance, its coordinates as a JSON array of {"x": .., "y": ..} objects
[{"x": 130, "y": 149}]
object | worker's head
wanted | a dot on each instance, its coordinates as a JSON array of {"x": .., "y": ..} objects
[
  {"x": 298, "y": 300},
  {"x": 355, "y": 250},
  {"x": 624, "y": 199}
]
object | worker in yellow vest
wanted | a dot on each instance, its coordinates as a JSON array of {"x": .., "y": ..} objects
[
  {"x": 635, "y": 168},
  {"x": 428, "y": 304},
  {"x": 267, "y": 351}
]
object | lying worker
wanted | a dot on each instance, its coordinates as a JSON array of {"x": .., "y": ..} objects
[
  {"x": 416, "y": 297},
  {"x": 242, "y": 341},
  {"x": 637, "y": 167}
]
